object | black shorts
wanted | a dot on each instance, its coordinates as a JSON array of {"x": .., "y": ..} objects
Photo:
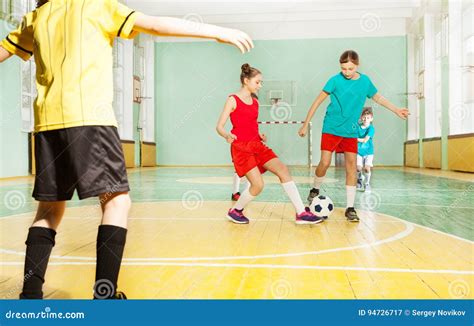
[{"x": 89, "y": 159}]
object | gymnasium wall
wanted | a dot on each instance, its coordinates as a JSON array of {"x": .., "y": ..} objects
[
  {"x": 13, "y": 142},
  {"x": 192, "y": 81},
  {"x": 441, "y": 123}
]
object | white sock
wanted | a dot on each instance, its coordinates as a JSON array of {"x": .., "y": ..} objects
[
  {"x": 367, "y": 177},
  {"x": 359, "y": 175},
  {"x": 247, "y": 184},
  {"x": 294, "y": 195},
  {"x": 236, "y": 184},
  {"x": 318, "y": 181},
  {"x": 244, "y": 199},
  {"x": 350, "y": 195}
]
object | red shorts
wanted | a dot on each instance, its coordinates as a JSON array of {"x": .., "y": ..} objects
[
  {"x": 339, "y": 144},
  {"x": 247, "y": 155}
]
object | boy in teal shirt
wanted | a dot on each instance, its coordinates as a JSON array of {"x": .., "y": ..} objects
[{"x": 365, "y": 150}]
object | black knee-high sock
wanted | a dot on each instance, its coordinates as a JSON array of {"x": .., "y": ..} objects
[
  {"x": 39, "y": 244},
  {"x": 110, "y": 245}
]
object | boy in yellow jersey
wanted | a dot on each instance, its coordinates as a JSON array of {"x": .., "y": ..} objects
[{"x": 77, "y": 146}]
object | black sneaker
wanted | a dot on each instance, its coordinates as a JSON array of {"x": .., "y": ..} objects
[
  {"x": 312, "y": 194},
  {"x": 351, "y": 214}
]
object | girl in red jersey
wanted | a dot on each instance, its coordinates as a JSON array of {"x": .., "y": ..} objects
[{"x": 251, "y": 157}]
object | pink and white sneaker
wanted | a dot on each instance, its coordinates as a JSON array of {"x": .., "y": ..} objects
[
  {"x": 308, "y": 218},
  {"x": 237, "y": 216}
]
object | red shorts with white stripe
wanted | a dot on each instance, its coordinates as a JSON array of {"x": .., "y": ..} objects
[
  {"x": 247, "y": 155},
  {"x": 339, "y": 144}
]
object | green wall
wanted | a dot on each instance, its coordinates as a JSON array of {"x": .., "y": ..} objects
[
  {"x": 193, "y": 80},
  {"x": 13, "y": 142}
]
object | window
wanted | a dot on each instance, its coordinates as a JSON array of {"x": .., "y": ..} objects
[
  {"x": 28, "y": 69},
  {"x": 468, "y": 57},
  {"x": 4, "y": 8},
  {"x": 28, "y": 95},
  {"x": 444, "y": 35},
  {"x": 413, "y": 118},
  {"x": 433, "y": 126},
  {"x": 148, "y": 119},
  {"x": 118, "y": 103},
  {"x": 461, "y": 110}
]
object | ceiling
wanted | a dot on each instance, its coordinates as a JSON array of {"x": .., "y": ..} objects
[
  {"x": 225, "y": 11},
  {"x": 292, "y": 19}
]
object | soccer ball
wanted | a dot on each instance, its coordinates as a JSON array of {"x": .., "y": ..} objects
[{"x": 322, "y": 206}]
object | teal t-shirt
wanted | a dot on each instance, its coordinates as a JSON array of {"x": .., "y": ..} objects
[
  {"x": 347, "y": 101},
  {"x": 367, "y": 148}
]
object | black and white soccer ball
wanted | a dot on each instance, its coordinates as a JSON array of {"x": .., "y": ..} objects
[{"x": 322, "y": 206}]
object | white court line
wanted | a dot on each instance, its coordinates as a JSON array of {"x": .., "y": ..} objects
[
  {"x": 434, "y": 230},
  {"x": 220, "y": 219},
  {"x": 28, "y": 215},
  {"x": 271, "y": 266},
  {"x": 409, "y": 229}
]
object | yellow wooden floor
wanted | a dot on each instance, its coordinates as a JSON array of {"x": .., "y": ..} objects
[{"x": 189, "y": 250}]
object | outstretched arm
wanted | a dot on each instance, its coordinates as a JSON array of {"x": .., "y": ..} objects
[
  {"x": 169, "y": 26},
  {"x": 402, "y": 113},
  {"x": 4, "y": 54},
  {"x": 363, "y": 140},
  {"x": 228, "y": 107},
  {"x": 312, "y": 110}
]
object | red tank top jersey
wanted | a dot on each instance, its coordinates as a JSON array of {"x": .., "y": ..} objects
[{"x": 244, "y": 120}]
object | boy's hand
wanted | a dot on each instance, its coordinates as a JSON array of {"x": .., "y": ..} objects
[
  {"x": 230, "y": 138},
  {"x": 263, "y": 137},
  {"x": 237, "y": 38},
  {"x": 402, "y": 113},
  {"x": 303, "y": 130}
]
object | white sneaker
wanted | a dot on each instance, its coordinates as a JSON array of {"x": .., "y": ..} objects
[{"x": 368, "y": 188}]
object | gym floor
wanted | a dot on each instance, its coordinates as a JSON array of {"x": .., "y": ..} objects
[{"x": 415, "y": 239}]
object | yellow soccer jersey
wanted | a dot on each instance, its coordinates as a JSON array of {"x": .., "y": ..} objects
[{"x": 72, "y": 41}]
